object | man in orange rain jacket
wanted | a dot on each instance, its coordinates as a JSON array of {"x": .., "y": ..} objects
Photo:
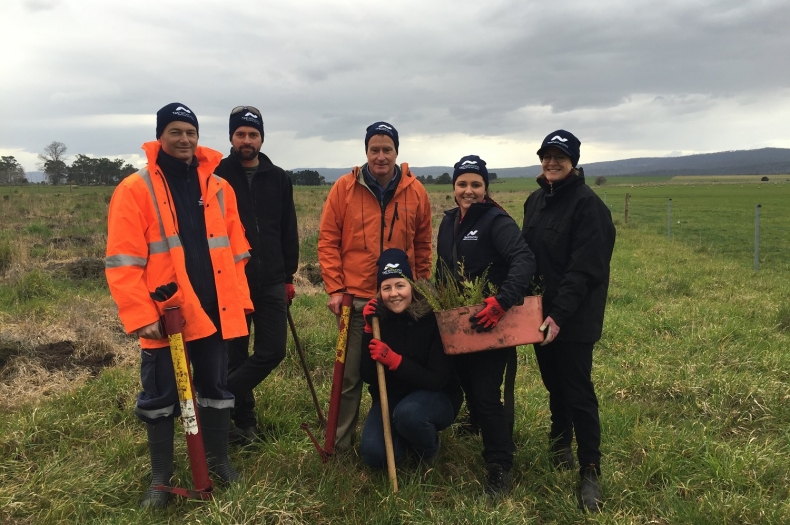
[
  {"x": 378, "y": 206},
  {"x": 176, "y": 222}
]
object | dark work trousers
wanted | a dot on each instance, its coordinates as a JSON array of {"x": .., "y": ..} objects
[
  {"x": 268, "y": 350},
  {"x": 209, "y": 359},
  {"x": 481, "y": 375},
  {"x": 566, "y": 370}
]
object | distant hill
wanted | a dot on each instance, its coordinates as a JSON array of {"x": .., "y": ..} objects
[{"x": 765, "y": 161}]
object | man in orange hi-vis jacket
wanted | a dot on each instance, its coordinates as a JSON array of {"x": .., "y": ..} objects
[
  {"x": 378, "y": 206},
  {"x": 174, "y": 221}
]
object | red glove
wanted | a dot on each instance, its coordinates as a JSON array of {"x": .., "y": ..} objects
[
  {"x": 488, "y": 317},
  {"x": 551, "y": 329},
  {"x": 371, "y": 310},
  {"x": 290, "y": 293},
  {"x": 382, "y": 353}
]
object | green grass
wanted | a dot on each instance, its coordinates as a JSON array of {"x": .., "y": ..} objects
[{"x": 691, "y": 374}]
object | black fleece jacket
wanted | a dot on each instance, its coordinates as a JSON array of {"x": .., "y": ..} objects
[
  {"x": 184, "y": 185},
  {"x": 414, "y": 335},
  {"x": 570, "y": 230},
  {"x": 486, "y": 239},
  {"x": 268, "y": 215}
]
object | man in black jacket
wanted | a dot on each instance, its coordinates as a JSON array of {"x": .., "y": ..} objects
[{"x": 265, "y": 199}]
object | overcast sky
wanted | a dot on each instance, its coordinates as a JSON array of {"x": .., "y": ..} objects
[{"x": 629, "y": 78}]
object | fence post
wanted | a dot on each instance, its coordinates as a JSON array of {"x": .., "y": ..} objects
[
  {"x": 627, "y": 201},
  {"x": 757, "y": 238},
  {"x": 669, "y": 219}
]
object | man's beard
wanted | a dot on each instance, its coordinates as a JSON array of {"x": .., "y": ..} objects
[{"x": 246, "y": 153}]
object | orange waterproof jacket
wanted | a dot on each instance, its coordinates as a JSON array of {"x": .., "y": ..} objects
[
  {"x": 144, "y": 251},
  {"x": 355, "y": 230}
]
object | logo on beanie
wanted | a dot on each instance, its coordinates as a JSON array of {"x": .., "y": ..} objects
[
  {"x": 253, "y": 115},
  {"x": 182, "y": 108},
  {"x": 471, "y": 236},
  {"x": 470, "y": 165},
  {"x": 181, "y": 111},
  {"x": 557, "y": 137},
  {"x": 392, "y": 268},
  {"x": 384, "y": 128}
]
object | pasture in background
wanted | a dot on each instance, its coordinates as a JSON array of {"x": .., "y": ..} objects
[{"x": 692, "y": 376}]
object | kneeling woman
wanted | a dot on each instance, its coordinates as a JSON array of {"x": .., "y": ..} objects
[
  {"x": 482, "y": 237},
  {"x": 423, "y": 392}
]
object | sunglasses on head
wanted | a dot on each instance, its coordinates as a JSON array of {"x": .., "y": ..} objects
[{"x": 239, "y": 109}]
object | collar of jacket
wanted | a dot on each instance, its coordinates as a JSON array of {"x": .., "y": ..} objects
[
  {"x": 407, "y": 178},
  {"x": 264, "y": 163},
  {"x": 473, "y": 213},
  {"x": 208, "y": 159},
  {"x": 571, "y": 181}
]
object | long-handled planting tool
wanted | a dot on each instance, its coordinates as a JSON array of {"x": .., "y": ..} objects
[
  {"x": 337, "y": 380},
  {"x": 385, "y": 414},
  {"x": 173, "y": 327},
  {"x": 319, "y": 412}
]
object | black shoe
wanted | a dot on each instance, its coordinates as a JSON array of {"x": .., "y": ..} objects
[
  {"x": 244, "y": 436},
  {"x": 160, "y": 447},
  {"x": 498, "y": 482},
  {"x": 562, "y": 457},
  {"x": 590, "y": 498}
]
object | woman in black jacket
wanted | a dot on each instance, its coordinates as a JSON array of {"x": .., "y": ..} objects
[
  {"x": 481, "y": 237},
  {"x": 422, "y": 389},
  {"x": 570, "y": 230}
]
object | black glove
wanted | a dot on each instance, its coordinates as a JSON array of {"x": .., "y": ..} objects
[{"x": 164, "y": 292}]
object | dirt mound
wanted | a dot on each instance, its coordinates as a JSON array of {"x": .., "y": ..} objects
[
  {"x": 90, "y": 268},
  {"x": 57, "y": 356}
]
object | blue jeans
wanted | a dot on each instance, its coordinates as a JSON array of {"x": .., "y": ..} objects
[{"x": 415, "y": 421}]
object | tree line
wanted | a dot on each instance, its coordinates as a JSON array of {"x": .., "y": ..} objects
[{"x": 53, "y": 162}]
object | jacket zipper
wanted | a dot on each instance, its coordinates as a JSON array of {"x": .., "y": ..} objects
[{"x": 392, "y": 224}]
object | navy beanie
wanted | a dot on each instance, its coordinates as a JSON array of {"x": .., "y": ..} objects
[
  {"x": 392, "y": 263},
  {"x": 173, "y": 112},
  {"x": 565, "y": 141},
  {"x": 471, "y": 164},
  {"x": 245, "y": 117},
  {"x": 381, "y": 128}
]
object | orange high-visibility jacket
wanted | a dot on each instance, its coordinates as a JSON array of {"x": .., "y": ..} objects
[
  {"x": 355, "y": 230},
  {"x": 144, "y": 251}
]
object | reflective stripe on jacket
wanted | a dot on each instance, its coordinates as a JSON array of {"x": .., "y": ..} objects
[
  {"x": 144, "y": 251},
  {"x": 355, "y": 230}
]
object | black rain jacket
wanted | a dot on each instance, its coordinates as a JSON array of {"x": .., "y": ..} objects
[
  {"x": 269, "y": 218},
  {"x": 414, "y": 335},
  {"x": 486, "y": 238},
  {"x": 570, "y": 230}
]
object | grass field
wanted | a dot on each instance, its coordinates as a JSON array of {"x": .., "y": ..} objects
[{"x": 692, "y": 376}]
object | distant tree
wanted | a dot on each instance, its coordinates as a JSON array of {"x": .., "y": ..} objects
[
  {"x": 429, "y": 179},
  {"x": 492, "y": 176},
  {"x": 600, "y": 180},
  {"x": 306, "y": 178},
  {"x": 421, "y": 178},
  {"x": 764, "y": 179},
  {"x": 53, "y": 162},
  {"x": 126, "y": 170},
  {"x": 87, "y": 170},
  {"x": 444, "y": 178},
  {"x": 11, "y": 172}
]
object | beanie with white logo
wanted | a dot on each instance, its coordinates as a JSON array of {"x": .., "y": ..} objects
[
  {"x": 381, "y": 128},
  {"x": 471, "y": 164},
  {"x": 565, "y": 141},
  {"x": 173, "y": 112},
  {"x": 392, "y": 263},
  {"x": 246, "y": 117}
]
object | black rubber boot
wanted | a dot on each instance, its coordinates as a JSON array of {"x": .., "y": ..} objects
[
  {"x": 590, "y": 498},
  {"x": 160, "y": 446},
  {"x": 215, "y": 424},
  {"x": 562, "y": 457},
  {"x": 498, "y": 482}
]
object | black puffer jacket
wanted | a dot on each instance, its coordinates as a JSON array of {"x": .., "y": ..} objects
[
  {"x": 570, "y": 230},
  {"x": 269, "y": 217},
  {"x": 486, "y": 238},
  {"x": 415, "y": 336}
]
